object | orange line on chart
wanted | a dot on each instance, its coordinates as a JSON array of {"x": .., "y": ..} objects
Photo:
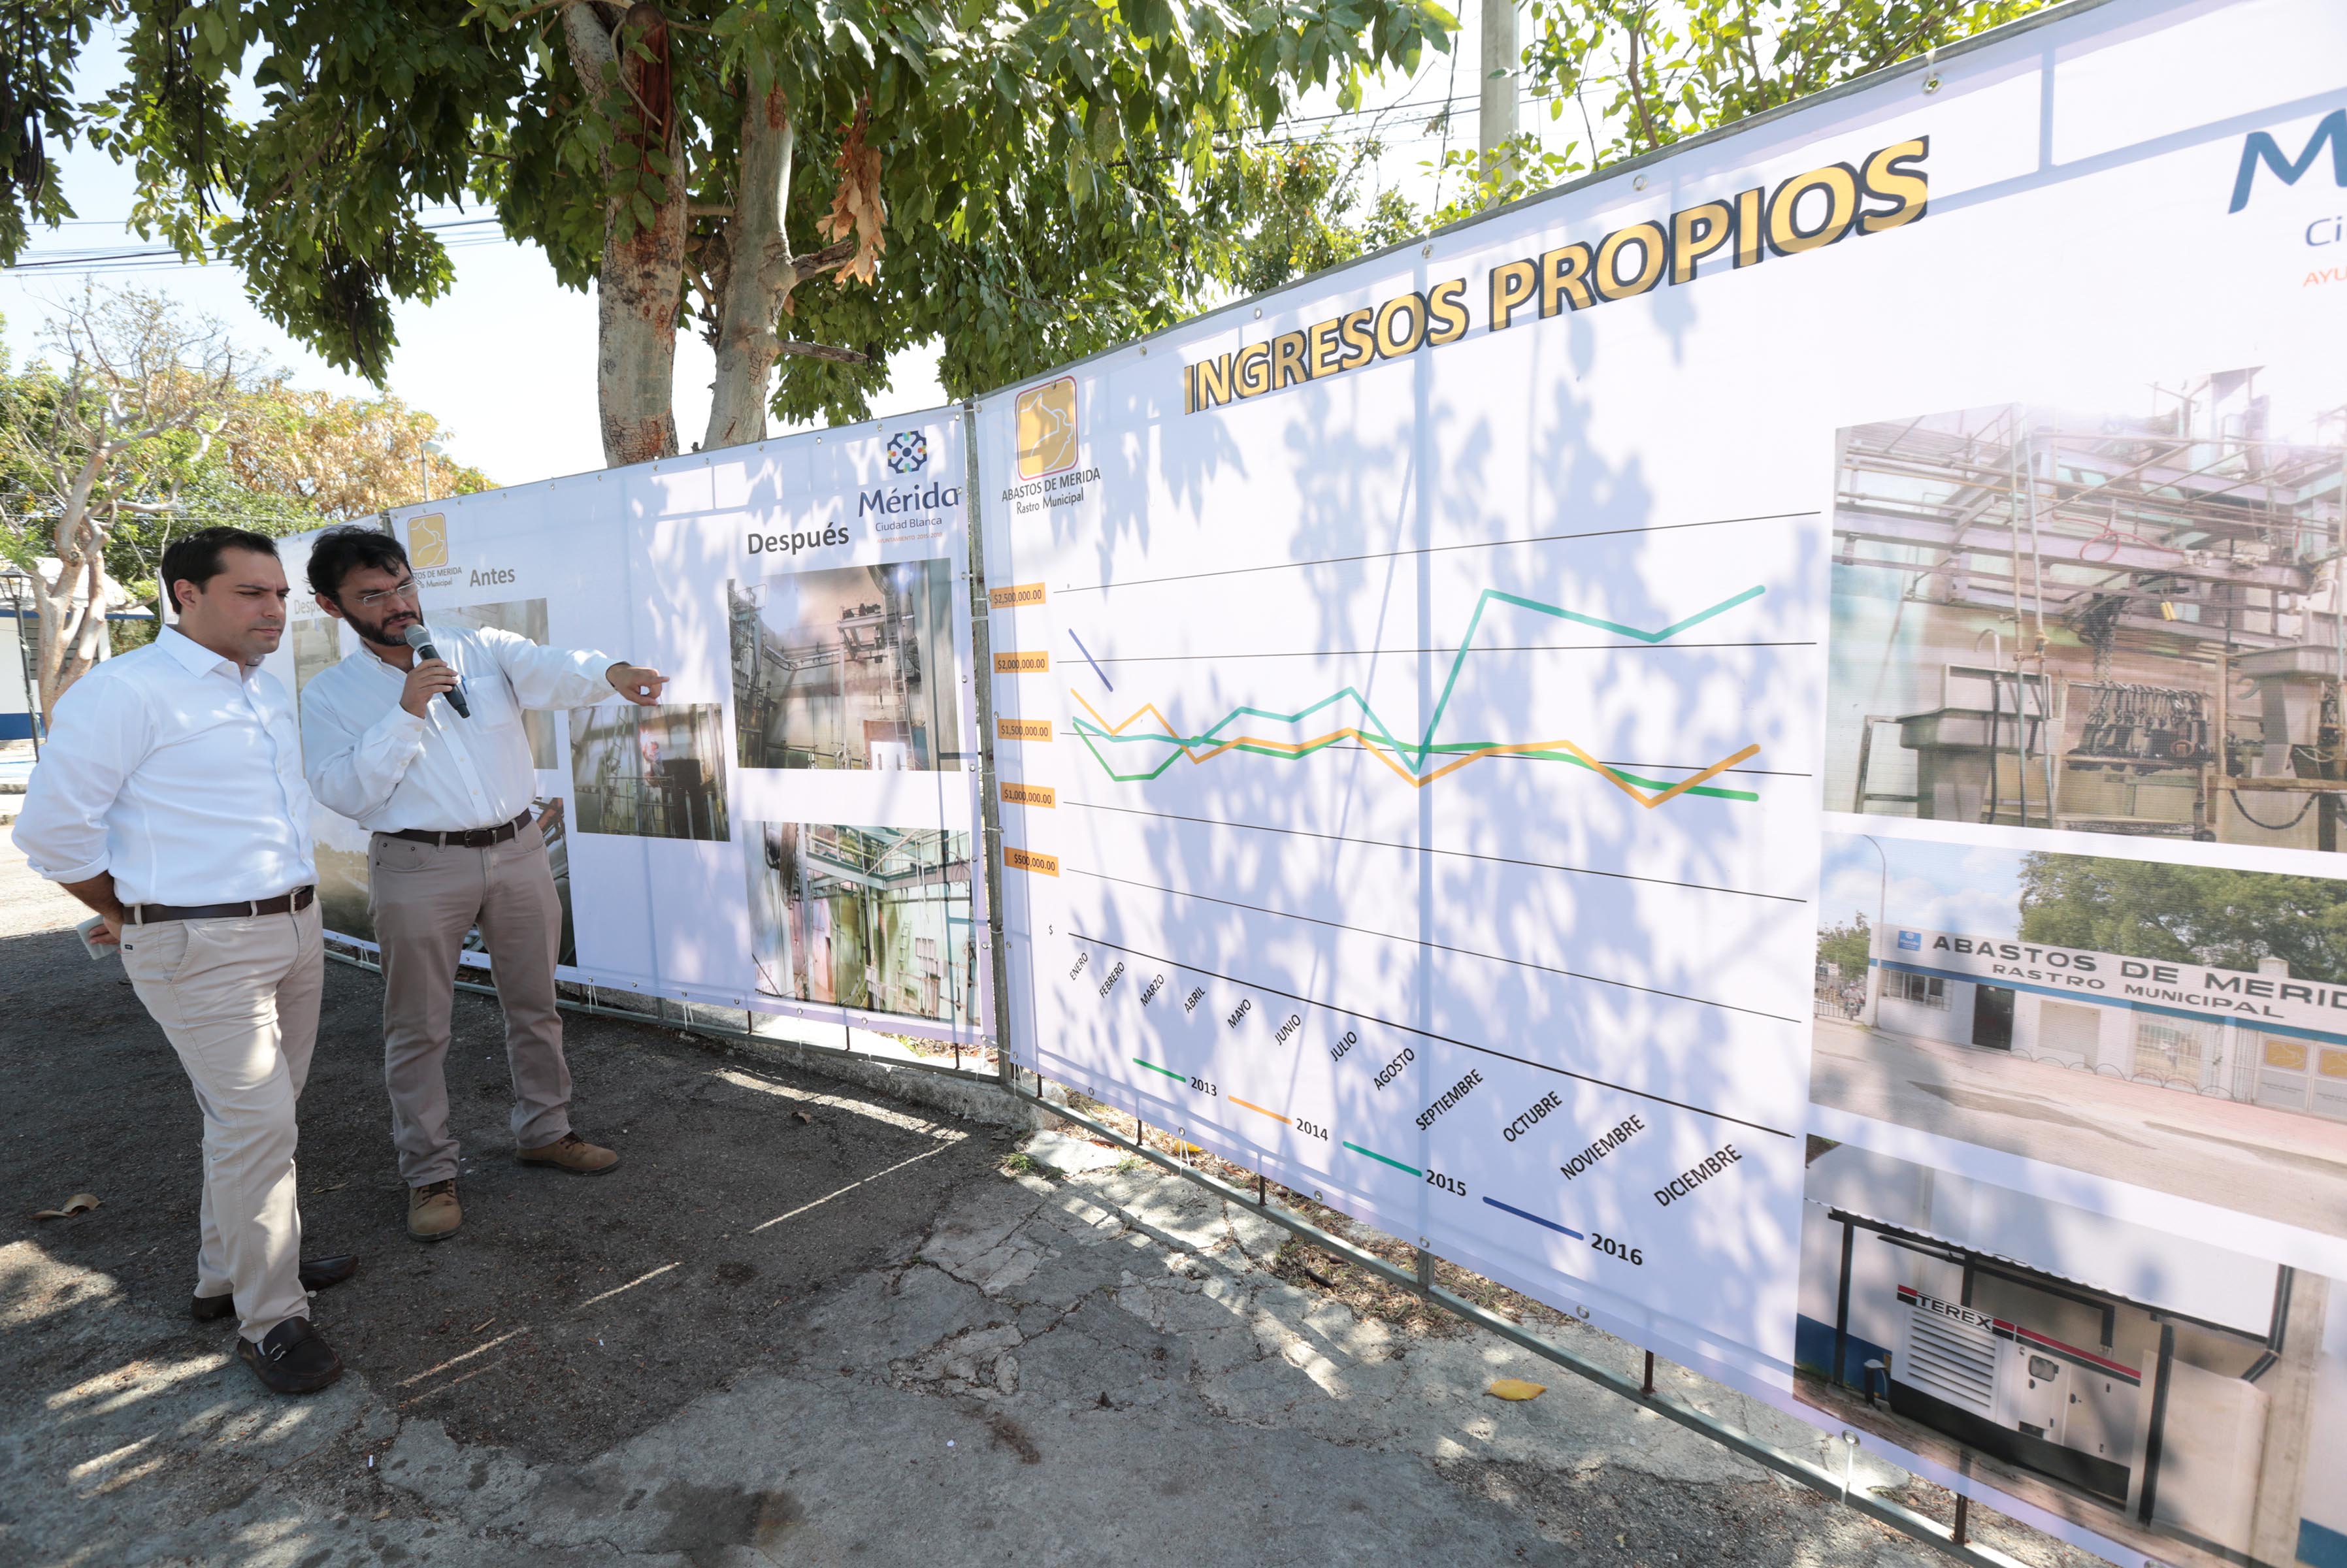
[
  {"x": 1517, "y": 748},
  {"x": 1260, "y": 1109}
]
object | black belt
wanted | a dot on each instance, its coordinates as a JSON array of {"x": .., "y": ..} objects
[
  {"x": 283, "y": 904},
  {"x": 467, "y": 838}
]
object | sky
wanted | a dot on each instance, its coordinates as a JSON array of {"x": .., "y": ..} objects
[
  {"x": 1972, "y": 889},
  {"x": 506, "y": 359}
]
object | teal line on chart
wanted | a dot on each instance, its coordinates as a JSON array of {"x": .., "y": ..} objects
[
  {"x": 1426, "y": 747},
  {"x": 1380, "y": 1159}
]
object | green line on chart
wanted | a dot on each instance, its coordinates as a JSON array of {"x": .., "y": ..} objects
[
  {"x": 1373, "y": 1155},
  {"x": 1425, "y": 747},
  {"x": 1085, "y": 733},
  {"x": 1177, "y": 1077}
]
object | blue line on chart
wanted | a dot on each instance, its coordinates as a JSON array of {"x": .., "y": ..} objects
[
  {"x": 1087, "y": 658},
  {"x": 1535, "y": 1219}
]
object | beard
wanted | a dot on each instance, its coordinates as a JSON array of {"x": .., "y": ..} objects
[{"x": 379, "y": 630}]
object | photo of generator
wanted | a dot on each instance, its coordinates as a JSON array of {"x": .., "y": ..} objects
[
  {"x": 2160, "y": 1390},
  {"x": 2126, "y": 624},
  {"x": 2014, "y": 1391},
  {"x": 840, "y": 668}
]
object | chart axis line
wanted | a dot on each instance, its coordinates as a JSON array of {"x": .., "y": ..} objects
[
  {"x": 1425, "y": 849},
  {"x": 1426, "y": 942},
  {"x": 1439, "y": 550},
  {"x": 1439, "y": 1039}
]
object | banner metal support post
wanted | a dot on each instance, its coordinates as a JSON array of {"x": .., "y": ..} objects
[{"x": 990, "y": 806}]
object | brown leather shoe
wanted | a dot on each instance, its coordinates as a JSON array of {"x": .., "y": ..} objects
[
  {"x": 433, "y": 1212},
  {"x": 573, "y": 1153}
]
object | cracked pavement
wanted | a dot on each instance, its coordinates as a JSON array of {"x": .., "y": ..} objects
[{"x": 859, "y": 1338}]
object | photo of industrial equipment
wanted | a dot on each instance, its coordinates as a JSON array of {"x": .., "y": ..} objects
[
  {"x": 2103, "y": 623},
  {"x": 848, "y": 668},
  {"x": 873, "y": 917},
  {"x": 317, "y": 645},
  {"x": 553, "y": 825},
  {"x": 341, "y": 845},
  {"x": 526, "y": 619},
  {"x": 2181, "y": 1029},
  {"x": 2161, "y": 1391},
  {"x": 653, "y": 772}
]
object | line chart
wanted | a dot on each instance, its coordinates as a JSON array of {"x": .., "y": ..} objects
[
  {"x": 1409, "y": 762},
  {"x": 1425, "y": 1003}
]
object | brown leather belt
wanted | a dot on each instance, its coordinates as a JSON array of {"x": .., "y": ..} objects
[
  {"x": 468, "y": 838},
  {"x": 283, "y": 904}
]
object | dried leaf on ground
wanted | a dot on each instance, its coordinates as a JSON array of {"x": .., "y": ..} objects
[
  {"x": 1515, "y": 1388},
  {"x": 79, "y": 1204}
]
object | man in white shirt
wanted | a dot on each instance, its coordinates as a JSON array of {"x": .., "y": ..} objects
[
  {"x": 448, "y": 798},
  {"x": 169, "y": 800}
]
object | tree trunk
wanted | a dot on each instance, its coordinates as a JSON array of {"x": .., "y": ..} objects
[
  {"x": 69, "y": 633},
  {"x": 642, "y": 280},
  {"x": 758, "y": 274}
]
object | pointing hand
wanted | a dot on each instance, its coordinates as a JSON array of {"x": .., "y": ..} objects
[{"x": 638, "y": 684}]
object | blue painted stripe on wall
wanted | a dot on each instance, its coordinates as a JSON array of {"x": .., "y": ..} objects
[
  {"x": 2103, "y": 999},
  {"x": 2320, "y": 1547}
]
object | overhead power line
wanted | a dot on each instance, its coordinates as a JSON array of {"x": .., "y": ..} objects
[{"x": 142, "y": 258}]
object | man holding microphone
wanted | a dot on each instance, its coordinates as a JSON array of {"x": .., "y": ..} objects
[
  {"x": 169, "y": 800},
  {"x": 418, "y": 737}
]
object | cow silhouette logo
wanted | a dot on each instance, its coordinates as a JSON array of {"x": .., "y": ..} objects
[
  {"x": 427, "y": 540},
  {"x": 1047, "y": 428},
  {"x": 909, "y": 452}
]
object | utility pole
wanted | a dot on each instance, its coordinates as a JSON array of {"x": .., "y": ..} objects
[{"x": 1496, "y": 121}]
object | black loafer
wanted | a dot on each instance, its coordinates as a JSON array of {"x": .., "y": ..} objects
[
  {"x": 317, "y": 1274},
  {"x": 291, "y": 1359}
]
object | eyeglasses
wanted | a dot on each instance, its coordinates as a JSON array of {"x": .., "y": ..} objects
[{"x": 406, "y": 591}]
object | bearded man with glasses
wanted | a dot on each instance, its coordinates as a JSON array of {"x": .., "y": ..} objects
[{"x": 447, "y": 798}]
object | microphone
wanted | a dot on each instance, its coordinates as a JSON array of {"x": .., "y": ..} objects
[{"x": 420, "y": 639}]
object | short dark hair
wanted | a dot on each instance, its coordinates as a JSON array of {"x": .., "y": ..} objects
[
  {"x": 196, "y": 557},
  {"x": 340, "y": 550}
]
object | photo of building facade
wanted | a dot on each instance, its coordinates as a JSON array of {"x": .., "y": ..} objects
[
  {"x": 2177, "y": 1028},
  {"x": 2257, "y": 1037},
  {"x": 2110, "y": 624},
  {"x": 848, "y": 667}
]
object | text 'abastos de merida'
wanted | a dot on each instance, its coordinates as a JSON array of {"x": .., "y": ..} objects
[{"x": 1807, "y": 212}]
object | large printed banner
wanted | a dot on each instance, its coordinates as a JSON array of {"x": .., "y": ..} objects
[
  {"x": 790, "y": 830},
  {"x": 1755, "y": 748}
]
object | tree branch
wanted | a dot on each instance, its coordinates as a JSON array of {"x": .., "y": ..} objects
[
  {"x": 821, "y": 351},
  {"x": 814, "y": 263}
]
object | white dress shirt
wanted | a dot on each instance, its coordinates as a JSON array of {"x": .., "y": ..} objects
[
  {"x": 387, "y": 770},
  {"x": 180, "y": 772}
]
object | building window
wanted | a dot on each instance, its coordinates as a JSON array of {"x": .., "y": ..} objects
[{"x": 1923, "y": 990}]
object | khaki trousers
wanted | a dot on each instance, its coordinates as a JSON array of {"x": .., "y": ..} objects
[
  {"x": 239, "y": 1000},
  {"x": 425, "y": 897}
]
